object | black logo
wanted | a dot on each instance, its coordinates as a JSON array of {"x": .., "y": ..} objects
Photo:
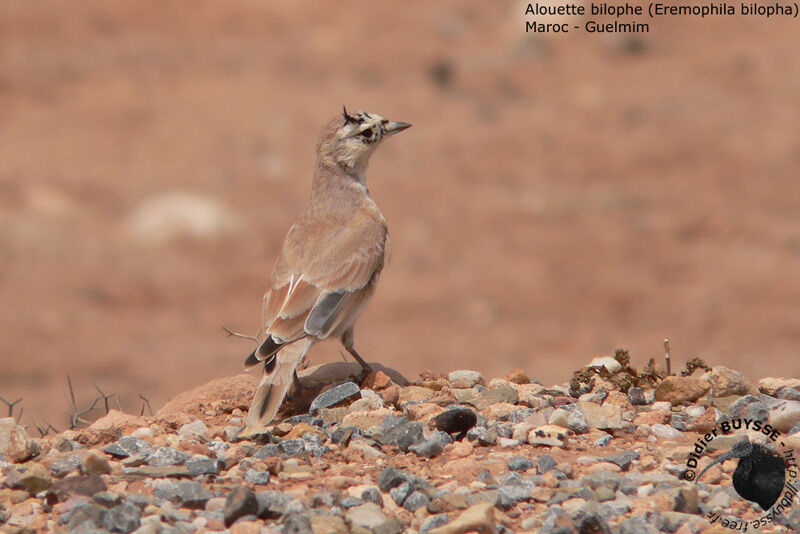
[
  {"x": 766, "y": 472},
  {"x": 760, "y": 475}
]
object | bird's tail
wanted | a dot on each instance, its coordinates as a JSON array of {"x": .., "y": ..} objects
[{"x": 274, "y": 385}]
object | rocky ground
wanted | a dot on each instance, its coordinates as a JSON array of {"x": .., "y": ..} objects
[{"x": 447, "y": 454}]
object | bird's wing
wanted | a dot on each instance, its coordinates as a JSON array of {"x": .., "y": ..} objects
[{"x": 323, "y": 266}]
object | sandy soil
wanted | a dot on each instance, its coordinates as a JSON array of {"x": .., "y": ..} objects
[{"x": 555, "y": 199}]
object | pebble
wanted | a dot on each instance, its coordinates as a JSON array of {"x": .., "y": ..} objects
[
  {"x": 187, "y": 494},
  {"x": 193, "y": 429},
  {"x": 665, "y": 432},
  {"x": 464, "y": 379},
  {"x": 239, "y": 503},
  {"x": 334, "y": 396},
  {"x": 129, "y": 446},
  {"x": 456, "y": 421},
  {"x": 520, "y": 463}
]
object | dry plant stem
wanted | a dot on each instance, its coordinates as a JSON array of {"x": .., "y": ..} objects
[
  {"x": 11, "y": 405},
  {"x": 146, "y": 401},
  {"x": 231, "y": 333},
  {"x": 666, "y": 353},
  {"x": 76, "y": 416},
  {"x": 104, "y": 396}
]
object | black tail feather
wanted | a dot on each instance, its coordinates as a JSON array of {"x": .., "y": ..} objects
[{"x": 269, "y": 347}]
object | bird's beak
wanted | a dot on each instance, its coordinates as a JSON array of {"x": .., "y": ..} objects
[{"x": 394, "y": 127}]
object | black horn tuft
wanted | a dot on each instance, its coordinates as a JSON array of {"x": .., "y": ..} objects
[{"x": 347, "y": 117}]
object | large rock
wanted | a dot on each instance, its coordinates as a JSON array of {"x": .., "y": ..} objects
[
  {"x": 785, "y": 415},
  {"x": 605, "y": 417},
  {"x": 224, "y": 394},
  {"x": 31, "y": 477},
  {"x": 725, "y": 382},
  {"x": 771, "y": 385},
  {"x": 116, "y": 420},
  {"x": 14, "y": 442},
  {"x": 681, "y": 389}
]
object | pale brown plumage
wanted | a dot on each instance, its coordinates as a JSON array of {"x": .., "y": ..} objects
[{"x": 329, "y": 264}]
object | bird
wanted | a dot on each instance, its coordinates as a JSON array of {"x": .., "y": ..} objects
[
  {"x": 760, "y": 475},
  {"x": 329, "y": 263}
]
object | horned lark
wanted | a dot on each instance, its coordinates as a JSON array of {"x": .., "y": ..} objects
[{"x": 330, "y": 262}]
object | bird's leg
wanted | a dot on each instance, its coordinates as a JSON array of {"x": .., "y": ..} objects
[{"x": 347, "y": 341}]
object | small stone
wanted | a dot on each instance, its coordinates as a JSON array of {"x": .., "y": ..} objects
[
  {"x": 334, "y": 396},
  {"x": 456, "y": 421},
  {"x": 427, "y": 448},
  {"x": 623, "y": 459},
  {"x": 725, "y": 382},
  {"x": 344, "y": 434},
  {"x": 681, "y": 389},
  {"x": 602, "y": 441},
  {"x": 665, "y": 432},
  {"x": 785, "y": 415},
  {"x": 477, "y": 518},
  {"x": 544, "y": 463},
  {"x": 107, "y": 499},
  {"x": 202, "y": 465},
  {"x": 463, "y": 379},
  {"x": 259, "y": 478},
  {"x": 636, "y": 396},
  {"x": 482, "y": 435},
  {"x": 391, "y": 478},
  {"x": 520, "y": 463},
  {"x": 292, "y": 447},
  {"x": 129, "y": 446},
  {"x": 86, "y": 485},
  {"x": 518, "y": 376},
  {"x": 605, "y": 417},
  {"x": 508, "y": 496},
  {"x": 31, "y": 477},
  {"x": 608, "y": 362},
  {"x": 373, "y": 495},
  {"x": 65, "y": 466},
  {"x": 433, "y": 522},
  {"x": 193, "y": 429},
  {"x": 368, "y": 516},
  {"x": 122, "y": 518},
  {"x": 414, "y": 394},
  {"x": 187, "y": 494},
  {"x": 166, "y": 456},
  {"x": 494, "y": 395},
  {"x": 687, "y": 500},
  {"x": 14, "y": 442},
  {"x": 94, "y": 464},
  {"x": 239, "y": 503},
  {"x": 635, "y": 525},
  {"x": 415, "y": 500},
  {"x": 272, "y": 504},
  {"x": 549, "y": 435}
]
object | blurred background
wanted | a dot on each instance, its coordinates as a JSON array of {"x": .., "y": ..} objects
[{"x": 557, "y": 197}]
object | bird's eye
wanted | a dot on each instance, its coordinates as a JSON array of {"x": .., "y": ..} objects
[{"x": 366, "y": 134}]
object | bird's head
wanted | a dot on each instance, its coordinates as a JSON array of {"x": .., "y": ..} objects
[{"x": 349, "y": 140}]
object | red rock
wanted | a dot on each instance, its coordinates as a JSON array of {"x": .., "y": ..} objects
[
  {"x": 518, "y": 376},
  {"x": 377, "y": 380}
]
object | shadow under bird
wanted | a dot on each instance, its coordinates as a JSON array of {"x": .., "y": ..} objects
[
  {"x": 330, "y": 262},
  {"x": 760, "y": 475}
]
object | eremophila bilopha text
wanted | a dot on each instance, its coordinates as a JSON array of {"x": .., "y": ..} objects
[{"x": 330, "y": 262}]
